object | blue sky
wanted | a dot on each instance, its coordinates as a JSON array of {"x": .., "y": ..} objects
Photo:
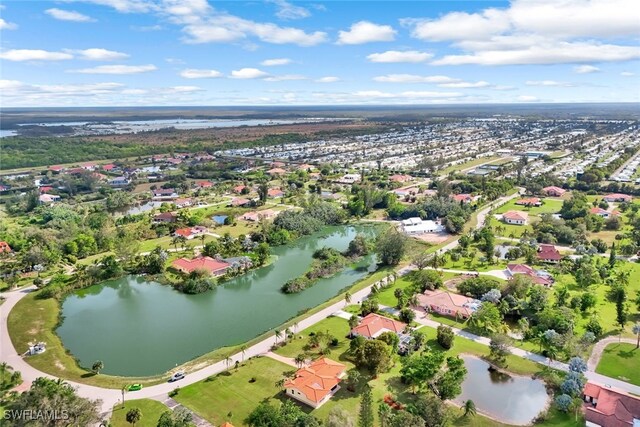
[{"x": 194, "y": 52}]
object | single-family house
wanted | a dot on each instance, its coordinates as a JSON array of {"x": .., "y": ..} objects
[
  {"x": 109, "y": 167},
  {"x": 4, "y": 247},
  {"x": 204, "y": 184},
  {"x": 45, "y": 189},
  {"x": 610, "y": 407},
  {"x": 314, "y": 385},
  {"x": 56, "y": 168},
  {"x": 515, "y": 217},
  {"x": 183, "y": 202},
  {"x": 277, "y": 164},
  {"x": 239, "y": 189},
  {"x": 600, "y": 212},
  {"x": 276, "y": 172},
  {"x": 539, "y": 277},
  {"x": 400, "y": 178},
  {"x": 275, "y": 192},
  {"x": 530, "y": 201},
  {"x": 89, "y": 166},
  {"x": 553, "y": 191},
  {"x": 256, "y": 216},
  {"x": 213, "y": 266},
  {"x": 462, "y": 198},
  {"x": 305, "y": 167},
  {"x": 417, "y": 225},
  {"x": 448, "y": 303},
  {"x": 349, "y": 178},
  {"x": 372, "y": 325},
  {"x": 616, "y": 197},
  {"x": 190, "y": 232},
  {"x": 239, "y": 201},
  {"x": 48, "y": 198},
  {"x": 120, "y": 181},
  {"x": 548, "y": 253},
  {"x": 165, "y": 217},
  {"x": 165, "y": 194}
]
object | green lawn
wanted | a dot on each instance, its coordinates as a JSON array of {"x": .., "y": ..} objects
[
  {"x": 469, "y": 164},
  {"x": 336, "y": 326},
  {"x": 548, "y": 206},
  {"x": 512, "y": 230},
  {"x": 151, "y": 411},
  {"x": 621, "y": 361}
]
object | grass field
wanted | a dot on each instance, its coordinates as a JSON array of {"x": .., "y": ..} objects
[
  {"x": 467, "y": 165},
  {"x": 549, "y": 206},
  {"x": 150, "y": 409},
  {"x": 621, "y": 361}
]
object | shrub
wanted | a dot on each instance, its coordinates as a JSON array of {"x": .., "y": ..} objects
[{"x": 445, "y": 336}]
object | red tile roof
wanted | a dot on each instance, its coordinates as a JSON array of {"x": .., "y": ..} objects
[
  {"x": 617, "y": 196},
  {"x": 526, "y": 270},
  {"x": 316, "y": 380},
  {"x": 442, "y": 300},
  {"x": 205, "y": 184},
  {"x": 554, "y": 190},
  {"x": 614, "y": 408},
  {"x": 548, "y": 253},
  {"x": 462, "y": 197},
  {"x": 515, "y": 216},
  {"x": 202, "y": 263},
  {"x": 4, "y": 247},
  {"x": 374, "y": 324},
  {"x": 528, "y": 201}
]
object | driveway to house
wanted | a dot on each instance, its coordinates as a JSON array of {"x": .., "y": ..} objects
[{"x": 599, "y": 347}]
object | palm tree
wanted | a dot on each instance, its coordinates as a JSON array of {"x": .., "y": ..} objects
[
  {"x": 280, "y": 383},
  {"x": 278, "y": 335},
  {"x": 300, "y": 359},
  {"x": 353, "y": 321},
  {"x": 469, "y": 408},
  {"x": 636, "y": 330},
  {"x": 227, "y": 361},
  {"x": 124, "y": 388},
  {"x": 243, "y": 349},
  {"x": 133, "y": 416},
  {"x": 347, "y": 297},
  {"x": 295, "y": 327},
  {"x": 174, "y": 241},
  {"x": 4, "y": 367},
  {"x": 287, "y": 333}
]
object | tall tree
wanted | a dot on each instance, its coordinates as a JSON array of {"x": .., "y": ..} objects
[
  {"x": 134, "y": 415},
  {"x": 365, "y": 416}
]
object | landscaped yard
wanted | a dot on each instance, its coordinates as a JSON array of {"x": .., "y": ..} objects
[
  {"x": 621, "y": 361},
  {"x": 548, "y": 206},
  {"x": 150, "y": 409}
]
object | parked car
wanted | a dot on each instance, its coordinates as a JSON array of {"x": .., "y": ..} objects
[
  {"x": 177, "y": 376},
  {"x": 134, "y": 387}
]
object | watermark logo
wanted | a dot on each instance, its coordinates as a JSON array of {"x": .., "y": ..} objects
[{"x": 36, "y": 415}]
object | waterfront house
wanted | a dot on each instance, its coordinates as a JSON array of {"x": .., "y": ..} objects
[
  {"x": 165, "y": 194},
  {"x": 372, "y": 325},
  {"x": 213, "y": 266},
  {"x": 417, "y": 225},
  {"x": 314, "y": 385},
  {"x": 165, "y": 217}
]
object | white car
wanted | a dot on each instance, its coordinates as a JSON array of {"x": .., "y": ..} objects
[{"x": 177, "y": 376}]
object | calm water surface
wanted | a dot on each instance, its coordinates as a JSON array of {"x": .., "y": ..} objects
[
  {"x": 140, "y": 328},
  {"x": 511, "y": 399}
]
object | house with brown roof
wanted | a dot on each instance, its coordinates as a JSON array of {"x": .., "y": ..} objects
[
  {"x": 530, "y": 201},
  {"x": 448, "y": 303},
  {"x": 462, "y": 198},
  {"x": 4, "y": 247},
  {"x": 610, "y": 407},
  {"x": 183, "y": 202},
  {"x": 204, "y": 184},
  {"x": 372, "y": 325},
  {"x": 190, "y": 232},
  {"x": 314, "y": 385},
  {"x": 213, "y": 266},
  {"x": 515, "y": 217},
  {"x": 275, "y": 192},
  {"x": 256, "y": 216},
  {"x": 617, "y": 197},
  {"x": 553, "y": 191},
  {"x": 165, "y": 217},
  {"x": 239, "y": 201},
  {"x": 165, "y": 194},
  {"x": 276, "y": 171},
  {"x": 548, "y": 253}
]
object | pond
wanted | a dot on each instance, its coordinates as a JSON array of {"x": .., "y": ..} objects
[
  {"x": 142, "y": 208},
  {"x": 510, "y": 399},
  {"x": 140, "y": 328},
  {"x": 219, "y": 219}
]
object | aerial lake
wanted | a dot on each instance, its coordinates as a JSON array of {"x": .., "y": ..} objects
[
  {"x": 140, "y": 328},
  {"x": 510, "y": 399}
]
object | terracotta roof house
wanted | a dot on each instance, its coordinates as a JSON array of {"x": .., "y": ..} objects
[
  {"x": 448, "y": 303},
  {"x": 238, "y": 188},
  {"x": 190, "y": 232},
  {"x": 165, "y": 217},
  {"x": 400, "y": 178},
  {"x": 515, "y": 217},
  {"x": 554, "y": 191},
  {"x": 275, "y": 192},
  {"x": 373, "y": 325},
  {"x": 537, "y": 277},
  {"x": 48, "y": 198},
  {"x": 616, "y": 197},
  {"x": 204, "y": 184},
  {"x": 548, "y": 253},
  {"x": 464, "y": 198},
  {"x": 56, "y": 168},
  {"x": 108, "y": 167},
  {"x": 314, "y": 385},
  {"x": 258, "y": 215},
  {"x": 183, "y": 202},
  {"x": 213, "y": 266},
  {"x": 227, "y": 424},
  {"x": 276, "y": 171},
  {"x": 4, "y": 247},
  {"x": 531, "y": 201},
  {"x": 609, "y": 407},
  {"x": 600, "y": 212},
  {"x": 45, "y": 189},
  {"x": 239, "y": 201}
]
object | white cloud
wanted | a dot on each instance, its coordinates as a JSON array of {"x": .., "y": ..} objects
[
  {"x": 536, "y": 32},
  {"x": 585, "y": 69},
  {"x": 366, "y": 32},
  {"x": 412, "y": 78},
  {"x": 407, "y": 94},
  {"x": 126, "y": 6},
  {"x": 527, "y": 98},
  {"x": 97, "y": 54},
  {"x": 287, "y": 10},
  {"x": 328, "y": 79},
  {"x": 276, "y": 61},
  {"x": 462, "y": 85},
  {"x": 285, "y": 77},
  {"x": 551, "y": 53},
  {"x": 68, "y": 15},
  {"x": 34, "y": 55},
  {"x": 116, "y": 69},
  {"x": 552, "y": 83},
  {"x": 627, "y": 74},
  {"x": 4, "y": 25},
  {"x": 184, "y": 89},
  {"x": 200, "y": 74},
  {"x": 248, "y": 73},
  {"x": 391, "y": 56}
]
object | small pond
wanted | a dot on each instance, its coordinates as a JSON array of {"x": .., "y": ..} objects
[
  {"x": 510, "y": 399},
  {"x": 219, "y": 219}
]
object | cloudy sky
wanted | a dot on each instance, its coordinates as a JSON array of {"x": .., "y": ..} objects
[{"x": 279, "y": 52}]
